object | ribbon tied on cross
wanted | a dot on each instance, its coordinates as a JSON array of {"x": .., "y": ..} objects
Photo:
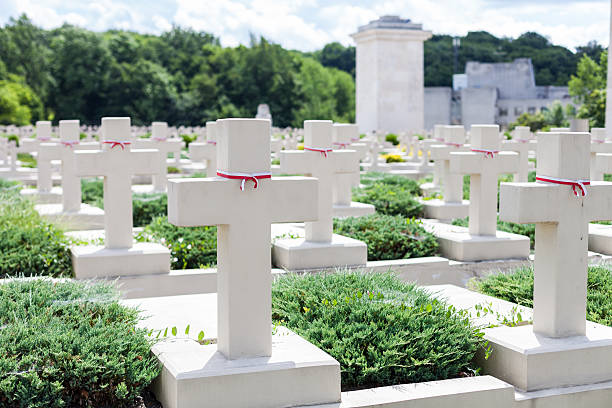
[
  {"x": 43, "y": 139},
  {"x": 70, "y": 144},
  {"x": 578, "y": 186},
  {"x": 487, "y": 152},
  {"x": 254, "y": 177},
  {"x": 115, "y": 143},
  {"x": 211, "y": 142},
  {"x": 315, "y": 149},
  {"x": 341, "y": 145},
  {"x": 355, "y": 139},
  {"x": 160, "y": 139},
  {"x": 453, "y": 144}
]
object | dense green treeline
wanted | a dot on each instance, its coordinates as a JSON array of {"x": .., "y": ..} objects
[
  {"x": 186, "y": 77},
  {"x": 181, "y": 76}
]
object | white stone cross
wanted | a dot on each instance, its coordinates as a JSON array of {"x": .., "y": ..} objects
[
  {"x": 320, "y": 161},
  {"x": 206, "y": 151},
  {"x": 159, "y": 140},
  {"x": 64, "y": 151},
  {"x": 483, "y": 164},
  {"x": 561, "y": 208},
  {"x": 344, "y": 137},
  {"x": 599, "y": 144},
  {"x": 43, "y": 135},
  {"x": 454, "y": 141},
  {"x": 244, "y": 217},
  {"x": 117, "y": 163},
  {"x": 522, "y": 143}
]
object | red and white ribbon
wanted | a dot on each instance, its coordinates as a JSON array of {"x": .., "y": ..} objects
[
  {"x": 598, "y": 140},
  {"x": 254, "y": 177},
  {"x": 341, "y": 145},
  {"x": 487, "y": 153},
  {"x": 355, "y": 139},
  {"x": 439, "y": 139},
  {"x": 453, "y": 144},
  {"x": 160, "y": 139},
  {"x": 70, "y": 144},
  {"x": 576, "y": 184},
  {"x": 212, "y": 142},
  {"x": 314, "y": 149},
  {"x": 523, "y": 140},
  {"x": 115, "y": 143},
  {"x": 43, "y": 139}
]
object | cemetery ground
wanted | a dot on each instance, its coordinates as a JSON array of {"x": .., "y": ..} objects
[{"x": 74, "y": 343}]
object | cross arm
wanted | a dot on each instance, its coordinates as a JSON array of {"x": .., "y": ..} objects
[
  {"x": 201, "y": 151},
  {"x": 296, "y": 161},
  {"x": 293, "y": 199},
  {"x": 525, "y": 203},
  {"x": 196, "y": 202},
  {"x": 146, "y": 161},
  {"x": 50, "y": 151},
  {"x": 90, "y": 163},
  {"x": 345, "y": 161},
  {"x": 605, "y": 147},
  {"x": 603, "y": 162},
  {"x": 598, "y": 202}
]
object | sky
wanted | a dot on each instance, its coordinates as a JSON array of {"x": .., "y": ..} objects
[{"x": 308, "y": 25}]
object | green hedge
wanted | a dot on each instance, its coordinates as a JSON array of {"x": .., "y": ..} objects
[
  {"x": 391, "y": 195},
  {"x": 382, "y": 331},
  {"x": 522, "y": 229},
  {"x": 145, "y": 206},
  {"x": 388, "y": 237},
  {"x": 29, "y": 245},
  {"x": 69, "y": 344},
  {"x": 517, "y": 287},
  {"x": 190, "y": 247}
]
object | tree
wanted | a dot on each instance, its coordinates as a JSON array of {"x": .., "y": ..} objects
[
  {"x": 588, "y": 87},
  {"x": 19, "y": 104}
]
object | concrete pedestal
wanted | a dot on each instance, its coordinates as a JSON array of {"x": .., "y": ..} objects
[
  {"x": 298, "y": 254},
  {"x": 457, "y": 243},
  {"x": 87, "y": 218},
  {"x": 99, "y": 262},
  {"x": 52, "y": 197},
  {"x": 533, "y": 362},
  {"x": 440, "y": 210},
  {"x": 355, "y": 209},
  {"x": 429, "y": 189},
  {"x": 297, "y": 373},
  {"x": 600, "y": 238}
]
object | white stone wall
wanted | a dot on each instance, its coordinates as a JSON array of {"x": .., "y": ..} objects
[{"x": 437, "y": 106}]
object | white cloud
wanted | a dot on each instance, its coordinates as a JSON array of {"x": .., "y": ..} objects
[{"x": 309, "y": 24}]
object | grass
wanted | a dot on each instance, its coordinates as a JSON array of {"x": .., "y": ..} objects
[
  {"x": 70, "y": 344},
  {"x": 517, "y": 287},
  {"x": 382, "y": 331},
  {"x": 388, "y": 237}
]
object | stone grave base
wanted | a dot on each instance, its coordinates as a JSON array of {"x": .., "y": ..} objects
[
  {"x": 600, "y": 238},
  {"x": 457, "y": 243},
  {"x": 355, "y": 209},
  {"x": 195, "y": 375},
  {"x": 438, "y": 209},
  {"x": 429, "y": 189},
  {"x": 144, "y": 258},
  {"x": 298, "y": 254},
  {"x": 52, "y": 197},
  {"x": 275, "y": 169},
  {"x": 533, "y": 362},
  {"x": 194, "y": 167},
  {"x": 87, "y": 218}
]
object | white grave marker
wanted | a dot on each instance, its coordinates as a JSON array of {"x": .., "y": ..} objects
[
  {"x": 243, "y": 202},
  {"x": 522, "y": 143},
  {"x": 206, "y": 151},
  {"x": 599, "y": 144}
]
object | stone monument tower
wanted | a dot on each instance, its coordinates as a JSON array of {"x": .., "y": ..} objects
[{"x": 390, "y": 84}]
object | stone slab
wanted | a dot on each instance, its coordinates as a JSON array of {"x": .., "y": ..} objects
[
  {"x": 298, "y": 254},
  {"x": 457, "y": 243},
  {"x": 600, "y": 238},
  {"x": 144, "y": 258},
  {"x": 87, "y": 218},
  {"x": 440, "y": 210},
  {"x": 297, "y": 373},
  {"x": 471, "y": 392},
  {"x": 592, "y": 396},
  {"x": 429, "y": 189},
  {"x": 52, "y": 197},
  {"x": 355, "y": 209},
  {"x": 533, "y": 362}
]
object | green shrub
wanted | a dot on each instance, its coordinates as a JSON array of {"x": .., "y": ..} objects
[
  {"x": 29, "y": 245},
  {"x": 173, "y": 170},
  {"x": 369, "y": 179},
  {"x": 188, "y": 139},
  {"x": 13, "y": 138},
  {"x": 517, "y": 287},
  {"x": 382, "y": 331},
  {"x": 145, "y": 206},
  {"x": 521, "y": 229},
  {"x": 190, "y": 247},
  {"x": 393, "y": 158},
  {"x": 27, "y": 160},
  {"x": 388, "y": 237},
  {"x": 392, "y": 138},
  {"x": 69, "y": 344},
  {"x": 389, "y": 198}
]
